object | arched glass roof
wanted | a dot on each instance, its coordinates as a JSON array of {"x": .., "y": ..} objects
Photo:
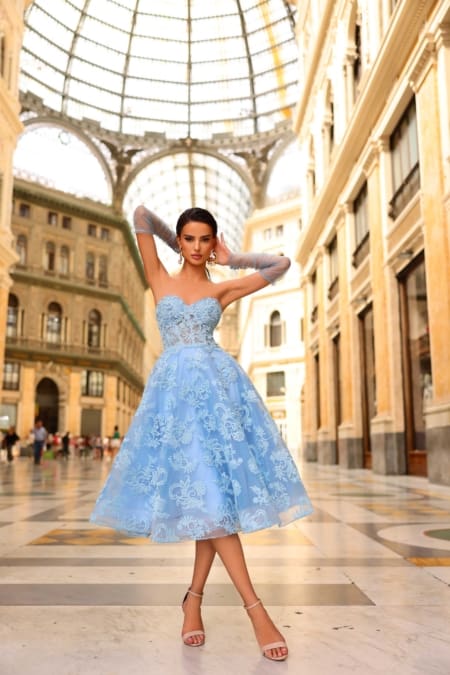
[
  {"x": 55, "y": 157},
  {"x": 181, "y": 68},
  {"x": 175, "y": 182}
]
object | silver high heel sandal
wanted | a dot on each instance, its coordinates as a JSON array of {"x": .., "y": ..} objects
[
  {"x": 271, "y": 645},
  {"x": 192, "y": 633}
]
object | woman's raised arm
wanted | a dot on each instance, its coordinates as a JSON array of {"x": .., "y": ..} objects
[{"x": 146, "y": 222}]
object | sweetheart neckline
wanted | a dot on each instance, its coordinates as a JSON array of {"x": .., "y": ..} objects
[{"x": 188, "y": 304}]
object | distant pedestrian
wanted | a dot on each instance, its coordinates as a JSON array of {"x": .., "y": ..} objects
[
  {"x": 9, "y": 441},
  {"x": 65, "y": 440},
  {"x": 40, "y": 436},
  {"x": 115, "y": 441}
]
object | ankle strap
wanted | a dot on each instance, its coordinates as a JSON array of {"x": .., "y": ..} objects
[
  {"x": 197, "y": 595},
  {"x": 258, "y": 602}
]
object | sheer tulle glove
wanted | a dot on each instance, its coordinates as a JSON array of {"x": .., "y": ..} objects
[
  {"x": 147, "y": 222},
  {"x": 271, "y": 267}
]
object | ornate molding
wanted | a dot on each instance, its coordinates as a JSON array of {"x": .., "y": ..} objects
[
  {"x": 371, "y": 160},
  {"x": 426, "y": 56},
  {"x": 443, "y": 36},
  {"x": 32, "y": 103}
]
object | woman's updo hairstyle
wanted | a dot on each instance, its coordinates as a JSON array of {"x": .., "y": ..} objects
[{"x": 198, "y": 215}]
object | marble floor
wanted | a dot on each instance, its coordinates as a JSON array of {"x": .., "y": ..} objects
[{"x": 360, "y": 586}]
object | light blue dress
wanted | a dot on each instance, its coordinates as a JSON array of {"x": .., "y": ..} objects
[{"x": 202, "y": 457}]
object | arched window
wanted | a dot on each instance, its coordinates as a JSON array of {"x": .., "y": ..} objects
[
  {"x": 13, "y": 316},
  {"x": 49, "y": 261},
  {"x": 90, "y": 266},
  {"x": 94, "y": 328},
  {"x": 64, "y": 260},
  {"x": 21, "y": 249},
  {"x": 357, "y": 62},
  {"x": 329, "y": 122},
  {"x": 275, "y": 331},
  {"x": 54, "y": 323}
]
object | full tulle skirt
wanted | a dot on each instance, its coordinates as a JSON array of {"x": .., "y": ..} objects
[{"x": 202, "y": 457}]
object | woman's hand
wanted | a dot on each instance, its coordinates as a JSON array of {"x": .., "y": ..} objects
[{"x": 222, "y": 251}]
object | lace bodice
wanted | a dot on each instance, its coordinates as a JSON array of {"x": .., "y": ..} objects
[{"x": 183, "y": 324}]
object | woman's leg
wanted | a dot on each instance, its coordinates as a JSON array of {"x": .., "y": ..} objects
[
  {"x": 231, "y": 553},
  {"x": 204, "y": 556}
]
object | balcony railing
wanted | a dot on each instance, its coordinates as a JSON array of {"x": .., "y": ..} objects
[
  {"x": 333, "y": 288},
  {"x": 405, "y": 192},
  {"x": 361, "y": 251},
  {"x": 76, "y": 355}
]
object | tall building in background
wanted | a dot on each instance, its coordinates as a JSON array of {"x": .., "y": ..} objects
[
  {"x": 75, "y": 330},
  {"x": 11, "y": 31},
  {"x": 373, "y": 122},
  {"x": 271, "y": 322}
]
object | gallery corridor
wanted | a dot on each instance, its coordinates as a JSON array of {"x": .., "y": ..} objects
[{"x": 360, "y": 586}]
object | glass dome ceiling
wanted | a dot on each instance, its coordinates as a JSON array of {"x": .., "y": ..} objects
[{"x": 180, "y": 68}]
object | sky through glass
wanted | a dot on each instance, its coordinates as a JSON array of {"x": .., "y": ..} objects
[{"x": 183, "y": 68}]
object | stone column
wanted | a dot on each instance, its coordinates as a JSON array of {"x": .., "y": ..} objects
[
  {"x": 436, "y": 219},
  {"x": 326, "y": 443},
  {"x": 350, "y": 441},
  {"x": 27, "y": 405},
  {"x": 73, "y": 407},
  {"x": 388, "y": 452},
  {"x": 309, "y": 430},
  {"x": 109, "y": 418}
]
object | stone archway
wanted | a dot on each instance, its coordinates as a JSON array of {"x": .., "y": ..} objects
[{"x": 47, "y": 404}]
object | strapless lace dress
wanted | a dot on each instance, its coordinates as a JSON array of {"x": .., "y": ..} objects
[{"x": 202, "y": 457}]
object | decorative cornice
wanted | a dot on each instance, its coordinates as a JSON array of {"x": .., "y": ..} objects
[
  {"x": 92, "y": 211},
  {"x": 74, "y": 356},
  {"x": 443, "y": 36},
  {"x": 371, "y": 158},
  {"x": 32, "y": 102},
  {"x": 85, "y": 209},
  {"x": 424, "y": 59},
  {"x": 383, "y": 143}
]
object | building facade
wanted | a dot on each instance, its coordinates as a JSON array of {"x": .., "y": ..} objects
[
  {"x": 75, "y": 334},
  {"x": 271, "y": 347},
  {"x": 373, "y": 122},
  {"x": 11, "y": 31}
]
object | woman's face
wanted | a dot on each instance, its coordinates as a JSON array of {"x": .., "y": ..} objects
[{"x": 196, "y": 242}]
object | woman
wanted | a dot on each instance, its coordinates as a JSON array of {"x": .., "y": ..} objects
[{"x": 202, "y": 458}]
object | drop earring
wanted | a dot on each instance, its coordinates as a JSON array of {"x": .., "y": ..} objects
[
  {"x": 180, "y": 258},
  {"x": 212, "y": 258}
]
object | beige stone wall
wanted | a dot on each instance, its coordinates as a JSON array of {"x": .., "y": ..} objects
[
  {"x": 392, "y": 70},
  {"x": 255, "y": 353},
  {"x": 119, "y": 298},
  {"x": 11, "y": 30}
]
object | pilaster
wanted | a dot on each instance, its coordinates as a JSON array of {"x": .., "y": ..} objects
[
  {"x": 73, "y": 409},
  {"x": 437, "y": 258},
  {"x": 109, "y": 419}
]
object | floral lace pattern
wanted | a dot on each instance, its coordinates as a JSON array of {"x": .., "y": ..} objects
[{"x": 202, "y": 457}]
